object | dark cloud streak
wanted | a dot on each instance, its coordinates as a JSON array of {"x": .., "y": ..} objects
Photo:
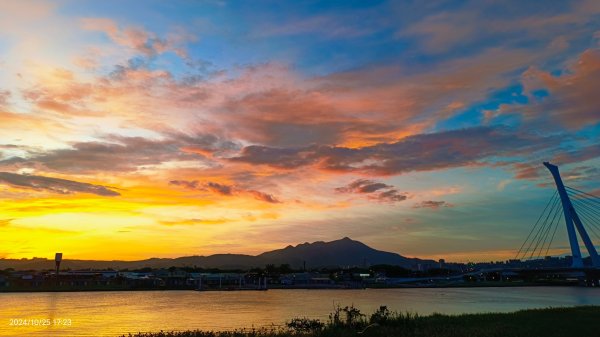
[
  {"x": 432, "y": 204},
  {"x": 125, "y": 154},
  {"x": 424, "y": 152},
  {"x": 54, "y": 185},
  {"x": 224, "y": 189},
  {"x": 374, "y": 190}
]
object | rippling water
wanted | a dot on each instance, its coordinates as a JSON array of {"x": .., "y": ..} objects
[{"x": 116, "y": 313}]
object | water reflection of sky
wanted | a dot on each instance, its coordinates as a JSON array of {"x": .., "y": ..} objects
[{"x": 115, "y": 313}]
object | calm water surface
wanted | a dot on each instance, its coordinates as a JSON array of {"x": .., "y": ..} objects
[{"x": 116, "y": 313}]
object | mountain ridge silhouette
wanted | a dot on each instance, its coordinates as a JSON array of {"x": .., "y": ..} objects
[{"x": 344, "y": 252}]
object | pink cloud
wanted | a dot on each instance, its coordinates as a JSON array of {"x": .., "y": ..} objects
[
  {"x": 138, "y": 39},
  {"x": 471, "y": 24},
  {"x": 4, "y": 97},
  {"x": 431, "y": 204}
]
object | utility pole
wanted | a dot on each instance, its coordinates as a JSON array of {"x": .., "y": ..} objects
[{"x": 57, "y": 260}]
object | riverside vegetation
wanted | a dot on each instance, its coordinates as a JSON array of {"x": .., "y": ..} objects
[{"x": 580, "y": 321}]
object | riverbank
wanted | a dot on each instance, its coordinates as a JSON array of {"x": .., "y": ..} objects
[
  {"x": 552, "y": 322},
  {"x": 487, "y": 284}
]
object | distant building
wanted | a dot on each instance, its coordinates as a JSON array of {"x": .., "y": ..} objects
[{"x": 305, "y": 279}]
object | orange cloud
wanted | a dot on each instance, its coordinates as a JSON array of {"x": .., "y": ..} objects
[
  {"x": 193, "y": 222},
  {"x": 573, "y": 100}
]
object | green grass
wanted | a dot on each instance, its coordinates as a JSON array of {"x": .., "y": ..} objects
[{"x": 581, "y": 321}]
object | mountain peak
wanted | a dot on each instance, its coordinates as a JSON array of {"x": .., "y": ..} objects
[{"x": 341, "y": 252}]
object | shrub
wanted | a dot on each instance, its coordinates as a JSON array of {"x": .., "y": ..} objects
[
  {"x": 304, "y": 325},
  {"x": 381, "y": 316},
  {"x": 348, "y": 316}
]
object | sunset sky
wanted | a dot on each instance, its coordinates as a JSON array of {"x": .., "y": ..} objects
[{"x": 137, "y": 129}]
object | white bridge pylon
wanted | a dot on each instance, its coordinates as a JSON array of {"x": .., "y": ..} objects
[{"x": 573, "y": 221}]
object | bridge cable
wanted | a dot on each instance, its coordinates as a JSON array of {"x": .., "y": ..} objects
[
  {"x": 546, "y": 232},
  {"x": 583, "y": 203},
  {"x": 583, "y": 196},
  {"x": 536, "y": 223},
  {"x": 597, "y": 198},
  {"x": 583, "y": 206},
  {"x": 592, "y": 228},
  {"x": 587, "y": 208},
  {"x": 553, "y": 225},
  {"x": 531, "y": 239},
  {"x": 542, "y": 229},
  {"x": 579, "y": 198},
  {"x": 538, "y": 235},
  {"x": 554, "y": 233},
  {"x": 590, "y": 218},
  {"x": 590, "y": 207}
]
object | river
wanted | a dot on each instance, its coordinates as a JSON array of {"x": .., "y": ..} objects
[{"x": 120, "y": 312}]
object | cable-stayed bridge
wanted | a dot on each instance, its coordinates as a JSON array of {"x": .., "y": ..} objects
[
  {"x": 579, "y": 211},
  {"x": 575, "y": 209}
]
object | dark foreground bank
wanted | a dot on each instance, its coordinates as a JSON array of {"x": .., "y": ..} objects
[{"x": 581, "y": 321}]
